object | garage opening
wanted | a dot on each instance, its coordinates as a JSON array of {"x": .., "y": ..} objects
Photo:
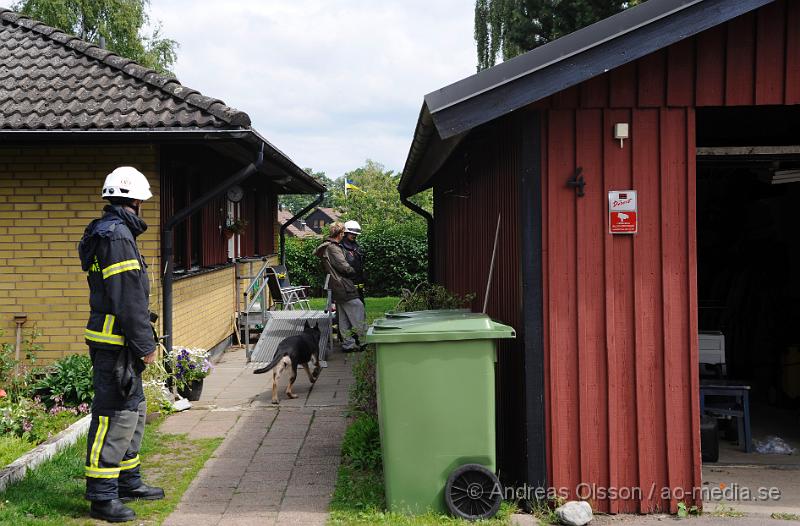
[{"x": 748, "y": 263}]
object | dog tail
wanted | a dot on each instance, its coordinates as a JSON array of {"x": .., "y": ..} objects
[{"x": 275, "y": 361}]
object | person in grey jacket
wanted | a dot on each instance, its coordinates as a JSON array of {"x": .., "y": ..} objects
[{"x": 345, "y": 293}]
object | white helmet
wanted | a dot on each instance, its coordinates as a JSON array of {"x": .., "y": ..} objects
[
  {"x": 352, "y": 227},
  {"x": 127, "y": 181}
]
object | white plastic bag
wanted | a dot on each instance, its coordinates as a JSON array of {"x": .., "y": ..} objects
[{"x": 774, "y": 445}]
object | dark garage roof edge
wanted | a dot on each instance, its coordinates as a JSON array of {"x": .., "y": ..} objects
[{"x": 453, "y": 110}]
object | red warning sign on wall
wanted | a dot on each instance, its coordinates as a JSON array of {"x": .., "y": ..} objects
[
  {"x": 622, "y": 212},
  {"x": 623, "y": 222}
]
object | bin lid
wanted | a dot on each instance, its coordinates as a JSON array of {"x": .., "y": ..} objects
[
  {"x": 450, "y": 326},
  {"x": 426, "y": 313}
]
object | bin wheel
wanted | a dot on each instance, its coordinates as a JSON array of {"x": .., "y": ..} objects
[{"x": 473, "y": 492}]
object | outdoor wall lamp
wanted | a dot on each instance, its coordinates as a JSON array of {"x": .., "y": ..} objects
[{"x": 621, "y": 132}]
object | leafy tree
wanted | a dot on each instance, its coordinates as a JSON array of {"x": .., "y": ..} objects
[
  {"x": 376, "y": 203},
  {"x": 122, "y": 23},
  {"x": 511, "y": 27},
  {"x": 296, "y": 202}
]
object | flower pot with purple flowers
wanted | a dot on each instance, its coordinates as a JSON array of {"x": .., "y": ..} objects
[
  {"x": 191, "y": 367},
  {"x": 192, "y": 391}
]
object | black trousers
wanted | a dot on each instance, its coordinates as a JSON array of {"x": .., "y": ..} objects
[{"x": 116, "y": 430}]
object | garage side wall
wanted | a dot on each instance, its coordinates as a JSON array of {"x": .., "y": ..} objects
[
  {"x": 621, "y": 311},
  {"x": 478, "y": 184}
]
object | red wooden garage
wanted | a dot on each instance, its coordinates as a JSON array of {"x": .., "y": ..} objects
[{"x": 599, "y": 393}]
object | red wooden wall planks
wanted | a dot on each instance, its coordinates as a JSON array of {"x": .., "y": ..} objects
[
  {"x": 214, "y": 244},
  {"x": 589, "y": 289},
  {"x": 792, "y": 92},
  {"x": 260, "y": 209},
  {"x": 247, "y": 212},
  {"x": 621, "y": 311},
  {"x": 562, "y": 305},
  {"x": 620, "y": 338},
  {"x": 753, "y": 59},
  {"x": 268, "y": 225},
  {"x": 478, "y": 183},
  {"x": 178, "y": 185},
  {"x": 649, "y": 328}
]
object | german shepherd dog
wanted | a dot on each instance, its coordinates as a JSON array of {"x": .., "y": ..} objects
[{"x": 295, "y": 350}]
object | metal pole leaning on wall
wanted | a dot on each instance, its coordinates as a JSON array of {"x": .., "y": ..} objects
[
  {"x": 491, "y": 267},
  {"x": 20, "y": 320}
]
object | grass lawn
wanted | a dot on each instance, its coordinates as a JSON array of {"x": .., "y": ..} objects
[
  {"x": 12, "y": 447},
  {"x": 52, "y": 494},
  {"x": 376, "y": 307},
  {"x": 359, "y": 499}
]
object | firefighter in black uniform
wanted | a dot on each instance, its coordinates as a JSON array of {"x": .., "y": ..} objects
[{"x": 121, "y": 343}]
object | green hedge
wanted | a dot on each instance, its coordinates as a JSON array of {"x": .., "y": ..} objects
[
  {"x": 396, "y": 258},
  {"x": 304, "y": 268}
]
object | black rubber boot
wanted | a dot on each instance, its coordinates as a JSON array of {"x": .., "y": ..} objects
[
  {"x": 111, "y": 511},
  {"x": 143, "y": 492}
]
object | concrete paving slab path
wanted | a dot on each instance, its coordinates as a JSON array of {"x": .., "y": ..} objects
[{"x": 277, "y": 465}]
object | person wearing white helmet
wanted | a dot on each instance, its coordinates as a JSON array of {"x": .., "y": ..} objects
[
  {"x": 121, "y": 344},
  {"x": 352, "y": 227},
  {"x": 349, "y": 308},
  {"x": 354, "y": 254}
]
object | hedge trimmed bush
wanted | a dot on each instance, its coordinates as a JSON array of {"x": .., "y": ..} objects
[{"x": 396, "y": 258}]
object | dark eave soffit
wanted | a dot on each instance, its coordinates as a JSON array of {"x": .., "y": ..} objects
[{"x": 241, "y": 145}]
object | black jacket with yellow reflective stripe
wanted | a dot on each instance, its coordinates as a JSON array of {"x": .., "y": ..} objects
[{"x": 118, "y": 284}]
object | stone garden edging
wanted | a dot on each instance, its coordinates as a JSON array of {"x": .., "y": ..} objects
[{"x": 16, "y": 470}]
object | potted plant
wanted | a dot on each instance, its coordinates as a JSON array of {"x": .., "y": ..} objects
[
  {"x": 155, "y": 381},
  {"x": 191, "y": 367},
  {"x": 234, "y": 227}
]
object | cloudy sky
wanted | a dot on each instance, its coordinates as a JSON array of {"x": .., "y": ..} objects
[{"x": 330, "y": 82}]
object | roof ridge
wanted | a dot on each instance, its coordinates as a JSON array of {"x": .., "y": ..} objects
[{"x": 169, "y": 85}]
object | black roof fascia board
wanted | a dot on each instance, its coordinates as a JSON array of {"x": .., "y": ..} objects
[
  {"x": 272, "y": 155},
  {"x": 558, "y": 65},
  {"x": 420, "y": 162},
  {"x": 416, "y": 152},
  {"x": 466, "y": 112},
  {"x": 555, "y": 51}
]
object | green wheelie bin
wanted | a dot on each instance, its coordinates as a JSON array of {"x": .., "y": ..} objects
[{"x": 436, "y": 410}]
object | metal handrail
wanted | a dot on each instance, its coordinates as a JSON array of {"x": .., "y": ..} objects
[
  {"x": 255, "y": 280},
  {"x": 250, "y": 303},
  {"x": 255, "y": 296}
]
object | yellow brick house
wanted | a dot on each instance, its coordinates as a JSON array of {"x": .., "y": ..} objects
[{"x": 70, "y": 112}]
